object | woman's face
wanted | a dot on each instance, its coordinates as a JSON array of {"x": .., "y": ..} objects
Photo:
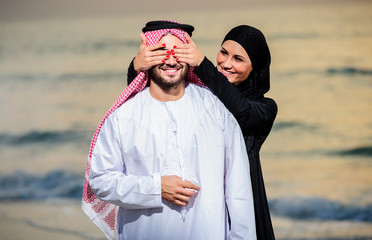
[{"x": 234, "y": 62}]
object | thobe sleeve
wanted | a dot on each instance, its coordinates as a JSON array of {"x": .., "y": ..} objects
[
  {"x": 238, "y": 188},
  {"x": 108, "y": 179}
]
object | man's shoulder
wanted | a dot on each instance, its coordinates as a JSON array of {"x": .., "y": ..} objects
[
  {"x": 131, "y": 105},
  {"x": 202, "y": 91},
  {"x": 207, "y": 99},
  {"x": 212, "y": 107}
]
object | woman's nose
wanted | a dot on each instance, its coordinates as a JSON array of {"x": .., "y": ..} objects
[{"x": 227, "y": 63}]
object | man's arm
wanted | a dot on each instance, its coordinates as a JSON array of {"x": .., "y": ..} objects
[
  {"x": 176, "y": 190},
  {"x": 238, "y": 188},
  {"x": 108, "y": 178}
]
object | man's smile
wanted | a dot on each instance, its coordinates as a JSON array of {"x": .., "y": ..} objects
[{"x": 171, "y": 70}]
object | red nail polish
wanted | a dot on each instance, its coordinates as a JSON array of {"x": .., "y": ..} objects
[
  {"x": 163, "y": 44},
  {"x": 173, "y": 54},
  {"x": 168, "y": 52},
  {"x": 177, "y": 59},
  {"x": 167, "y": 56},
  {"x": 172, "y": 50},
  {"x": 174, "y": 46},
  {"x": 162, "y": 60}
]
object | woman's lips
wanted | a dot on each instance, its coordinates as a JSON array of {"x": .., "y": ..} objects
[{"x": 226, "y": 73}]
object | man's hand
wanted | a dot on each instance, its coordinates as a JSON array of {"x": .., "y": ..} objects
[
  {"x": 177, "y": 191},
  {"x": 149, "y": 56},
  {"x": 188, "y": 53}
]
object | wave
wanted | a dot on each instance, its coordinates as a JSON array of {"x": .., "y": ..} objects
[
  {"x": 64, "y": 184},
  {"x": 365, "y": 151},
  {"x": 309, "y": 35},
  {"x": 45, "y": 137},
  {"x": 349, "y": 71},
  {"x": 73, "y": 76},
  {"x": 92, "y": 76},
  {"x": 293, "y": 124},
  {"x": 25, "y": 186},
  {"x": 105, "y": 45},
  {"x": 81, "y": 48},
  {"x": 319, "y": 209}
]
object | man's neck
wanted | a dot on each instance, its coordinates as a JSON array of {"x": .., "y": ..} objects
[{"x": 166, "y": 95}]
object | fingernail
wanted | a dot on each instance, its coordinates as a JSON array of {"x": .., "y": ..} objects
[
  {"x": 163, "y": 44},
  {"x": 174, "y": 46},
  {"x": 172, "y": 50},
  {"x": 173, "y": 54},
  {"x": 167, "y": 56},
  {"x": 168, "y": 52},
  {"x": 163, "y": 60},
  {"x": 177, "y": 59}
]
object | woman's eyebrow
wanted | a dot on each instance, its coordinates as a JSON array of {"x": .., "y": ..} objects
[
  {"x": 235, "y": 55},
  {"x": 240, "y": 56}
]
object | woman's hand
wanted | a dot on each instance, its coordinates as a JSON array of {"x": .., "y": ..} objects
[
  {"x": 188, "y": 53},
  {"x": 149, "y": 56}
]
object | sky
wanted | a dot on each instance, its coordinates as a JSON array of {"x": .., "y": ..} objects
[
  {"x": 10, "y": 9},
  {"x": 25, "y": 9}
]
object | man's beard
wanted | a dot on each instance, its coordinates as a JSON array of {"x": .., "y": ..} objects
[{"x": 158, "y": 79}]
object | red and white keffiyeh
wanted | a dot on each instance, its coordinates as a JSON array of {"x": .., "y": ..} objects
[{"x": 102, "y": 213}]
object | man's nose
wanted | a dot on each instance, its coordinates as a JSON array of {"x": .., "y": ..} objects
[{"x": 172, "y": 60}]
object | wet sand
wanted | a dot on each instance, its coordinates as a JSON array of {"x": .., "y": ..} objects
[
  {"x": 64, "y": 220},
  {"x": 58, "y": 220}
]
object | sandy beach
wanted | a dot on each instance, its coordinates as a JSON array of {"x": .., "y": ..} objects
[
  {"x": 59, "y": 219},
  {"x": 64, "y": 220}
]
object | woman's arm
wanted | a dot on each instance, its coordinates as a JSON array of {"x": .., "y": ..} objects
[
  {"x": 250, "y": 114},
  {"x": 131, "y": 73},
  {"x": 147, "y": 57}
]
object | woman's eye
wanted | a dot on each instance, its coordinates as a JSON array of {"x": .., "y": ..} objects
[{"x": 223, "y": 52}]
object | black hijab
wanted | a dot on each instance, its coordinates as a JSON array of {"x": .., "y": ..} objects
[{"x": 254, "y": 43}]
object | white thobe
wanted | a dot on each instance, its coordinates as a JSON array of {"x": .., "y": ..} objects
[{"x": 196, "y": 138}]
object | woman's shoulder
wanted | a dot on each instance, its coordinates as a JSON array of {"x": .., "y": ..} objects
[{"x": 269, "y": 102}]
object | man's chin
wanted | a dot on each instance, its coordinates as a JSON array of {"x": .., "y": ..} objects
[{"x": 167, "y": 80}]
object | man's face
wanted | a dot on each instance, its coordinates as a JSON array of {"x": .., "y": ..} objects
[{"x": 171, "y": 73}]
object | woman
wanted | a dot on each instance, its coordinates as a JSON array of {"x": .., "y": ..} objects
[{"x": 241, "y": 79}]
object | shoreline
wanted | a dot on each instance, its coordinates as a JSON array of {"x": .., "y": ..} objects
[{"x": 63, "y": 219}]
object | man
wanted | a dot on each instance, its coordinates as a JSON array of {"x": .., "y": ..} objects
[{"x": 171, "y": 157}]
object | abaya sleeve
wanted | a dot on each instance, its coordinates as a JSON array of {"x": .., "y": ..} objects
[
  {"x": 252, "y": 115},
  {"x": 131, "y": 73}
]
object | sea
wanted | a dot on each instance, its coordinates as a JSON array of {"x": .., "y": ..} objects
[{"x": 59, "y": 76}]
